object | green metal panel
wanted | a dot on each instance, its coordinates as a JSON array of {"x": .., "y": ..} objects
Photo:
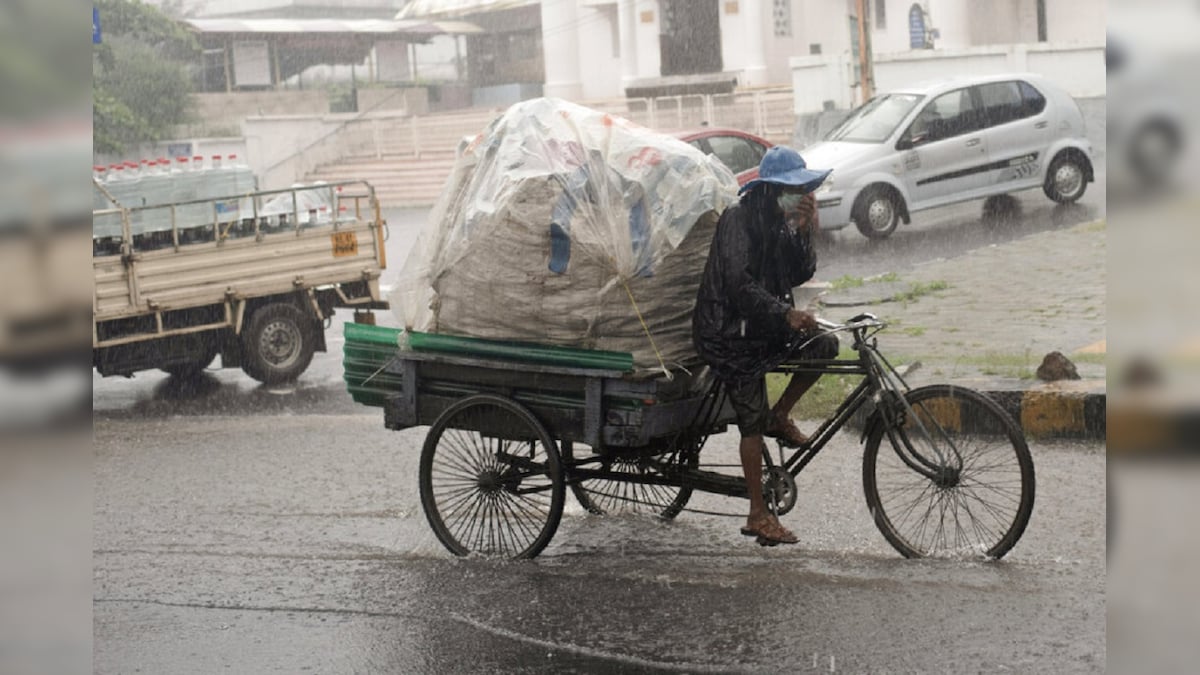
[{"x": 369, "y": 349}]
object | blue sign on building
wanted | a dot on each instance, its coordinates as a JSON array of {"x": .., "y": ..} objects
[{"x": 95, "y": 26}]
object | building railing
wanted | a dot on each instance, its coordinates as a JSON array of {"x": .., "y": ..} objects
[{"x": 766, "y": 112}]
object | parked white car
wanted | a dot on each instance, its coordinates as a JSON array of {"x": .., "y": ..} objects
[{"x": 950, "y": 141}]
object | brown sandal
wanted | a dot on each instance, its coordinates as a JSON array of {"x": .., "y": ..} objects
[
  {"x": 770, "y": 533},
  {"x": 786, "y": 431}
]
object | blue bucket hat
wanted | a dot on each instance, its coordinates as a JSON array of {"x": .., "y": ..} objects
[{"x": 782, "y": 165}]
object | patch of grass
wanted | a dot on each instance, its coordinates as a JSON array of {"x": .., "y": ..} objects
[
  {"x": 1100, "y": 359},
  {"x": 846, "y": 281},
  {"x": 1018, "y": 373},
  {"x": 918, "y": 290},
  {"x": 1020, "y": 366},
  {"x": 1095, "y": 226},
  {"x": 915, "y": 331}
]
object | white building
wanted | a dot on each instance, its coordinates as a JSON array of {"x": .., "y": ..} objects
[
  {"x": 589, "y": 50},
  {"x": 595, "y": 49}
]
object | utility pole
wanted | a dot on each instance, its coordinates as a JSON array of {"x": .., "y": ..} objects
[{"x": 866, "y": 74}]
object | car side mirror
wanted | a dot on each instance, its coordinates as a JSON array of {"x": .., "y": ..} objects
[{"x": 905, "y": 143}]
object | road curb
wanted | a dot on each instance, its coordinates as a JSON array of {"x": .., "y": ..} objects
[
  {"x": 1046, "y": 412},
  {"x": 1056, "y": 413}
]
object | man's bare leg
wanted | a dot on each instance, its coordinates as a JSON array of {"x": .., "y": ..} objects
[
  {"x": 760, "y": 520},
  {"x": 781, "y": 412},
  {"x": 751, "y": 451},
  {"x": 795, "y": 389}
]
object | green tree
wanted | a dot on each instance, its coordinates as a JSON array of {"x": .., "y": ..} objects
[{"x": 141, "y": 87}]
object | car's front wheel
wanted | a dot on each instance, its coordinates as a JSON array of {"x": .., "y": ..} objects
[
  {"x": 1066, "y": 179},
  {"x": 876, "y": 212}
]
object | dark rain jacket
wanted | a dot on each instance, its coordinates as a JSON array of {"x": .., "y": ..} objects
[{"x": 739, "y": 326}]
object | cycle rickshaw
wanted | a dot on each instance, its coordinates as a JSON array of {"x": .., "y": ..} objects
[{"x": 946, "y": 471}]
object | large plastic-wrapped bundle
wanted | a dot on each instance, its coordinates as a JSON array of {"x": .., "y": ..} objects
[{"x": 567, "y": 226}]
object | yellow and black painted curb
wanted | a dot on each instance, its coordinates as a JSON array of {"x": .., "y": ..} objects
[
  {"x": 1040, "y": 413},
  {"x": 1056, "y": 414}
]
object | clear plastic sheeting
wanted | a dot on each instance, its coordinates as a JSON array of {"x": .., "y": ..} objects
[
  {"x": 568, "y": 226},
  {"x": 310, "y": 205},
  {"x": 187, "y": 188}
]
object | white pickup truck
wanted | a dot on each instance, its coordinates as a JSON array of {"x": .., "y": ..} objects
[{"x": 252, "y": 277}]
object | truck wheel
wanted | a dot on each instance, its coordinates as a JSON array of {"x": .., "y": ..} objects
[{"x": 277, "y": 344}]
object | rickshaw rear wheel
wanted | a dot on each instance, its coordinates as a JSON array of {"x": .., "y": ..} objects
[{"x": 490, "y": 479}]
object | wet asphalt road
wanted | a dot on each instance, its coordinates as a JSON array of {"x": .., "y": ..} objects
[
  {"x": 241, "y": 528},
  {"x": 295, "y": 542}
]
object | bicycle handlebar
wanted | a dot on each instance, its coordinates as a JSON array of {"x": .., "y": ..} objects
[{"x": 864, "y": 320}]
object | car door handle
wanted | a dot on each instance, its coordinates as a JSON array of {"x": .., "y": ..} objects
[
  {"x": 1041, "y": 125},
  {"x": 973, "y": 142}
]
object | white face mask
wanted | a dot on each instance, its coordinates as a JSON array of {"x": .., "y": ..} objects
[{"x": 790, "y": 202}]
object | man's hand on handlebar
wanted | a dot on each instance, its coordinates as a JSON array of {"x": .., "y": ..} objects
[{"x": 801, "y": 321}]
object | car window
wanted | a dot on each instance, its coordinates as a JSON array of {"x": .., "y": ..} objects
[
  {"x": 735, "y": 152},
  {"x": 1031, "y": 99},
  {"x": 948, "y": 115},
  {"x": 875, "y": 120},
  {"x": 1002, "y": 102}
]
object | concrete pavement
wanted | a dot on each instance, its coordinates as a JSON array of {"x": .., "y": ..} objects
[{"x": 987, "y": 319}]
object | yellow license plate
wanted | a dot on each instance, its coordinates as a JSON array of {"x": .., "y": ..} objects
[{"x": 344, "y": 244}]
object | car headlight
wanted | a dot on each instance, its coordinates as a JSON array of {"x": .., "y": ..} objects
[{"x": 825, "y": 196}]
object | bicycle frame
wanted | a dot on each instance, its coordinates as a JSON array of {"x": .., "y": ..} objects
[{"x": 882, "y": 384}]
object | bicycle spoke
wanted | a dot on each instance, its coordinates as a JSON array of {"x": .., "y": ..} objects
[
  {"x": 1001, "y": 519},
  {"x": 516, "y": 525},
  {"x": 1012, "y": 495},
  {"x": 618, "y": 495},
  {"x": 984, "y": 536},
  {"x": 925, "y": 521}
]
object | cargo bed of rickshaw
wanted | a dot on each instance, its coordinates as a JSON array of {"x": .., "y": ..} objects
[{"x": 581, "y": 396}]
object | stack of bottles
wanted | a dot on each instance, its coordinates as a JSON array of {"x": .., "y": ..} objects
[{"x": 221, "y": 182}]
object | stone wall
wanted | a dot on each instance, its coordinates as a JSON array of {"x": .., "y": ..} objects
[
  {"x": 222, "y": 113},
  {"x": 411, "y": 100}
]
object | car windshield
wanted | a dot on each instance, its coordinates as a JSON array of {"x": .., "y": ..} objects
[{"x": 875, "y": 120}]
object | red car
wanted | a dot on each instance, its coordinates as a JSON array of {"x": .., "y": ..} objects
[{"x": 738, "y": 150}]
